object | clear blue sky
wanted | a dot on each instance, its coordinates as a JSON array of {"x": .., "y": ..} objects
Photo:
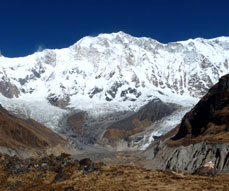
[{"x": 26, "y": 25}]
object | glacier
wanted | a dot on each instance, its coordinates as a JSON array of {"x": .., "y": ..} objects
[{"x": 110, "y": 73}]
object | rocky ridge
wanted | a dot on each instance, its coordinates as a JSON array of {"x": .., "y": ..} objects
[
  {"x": 201, "y": 137},
  {"x": 138, "y": 121}
]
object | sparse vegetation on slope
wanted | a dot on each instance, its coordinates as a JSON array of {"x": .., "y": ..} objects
[{"x": 62, "y": 173}]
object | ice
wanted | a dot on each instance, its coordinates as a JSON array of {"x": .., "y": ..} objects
[
  {"x": 163, "y": 126},
  {"x": 178, "y": 72},
  {"x": 39, "y": 110}
]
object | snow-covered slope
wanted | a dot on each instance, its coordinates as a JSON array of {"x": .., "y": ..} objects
[{"x": 112, "y": 72}]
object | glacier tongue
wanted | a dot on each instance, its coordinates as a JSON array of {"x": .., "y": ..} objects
[
  {"x": 158, "y": 129},
  {"x": 110, "y": 73},
  {"x": 39, "y": 110}
]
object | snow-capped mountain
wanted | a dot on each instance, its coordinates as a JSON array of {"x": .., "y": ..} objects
[{"x": 111, "y": 72}]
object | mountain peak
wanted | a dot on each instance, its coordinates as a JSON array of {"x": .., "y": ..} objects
[{"x": 110, "y": 73}]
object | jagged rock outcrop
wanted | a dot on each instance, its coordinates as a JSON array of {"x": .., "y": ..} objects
[
  {"x": 59, "y": 102},
  {"x": 187, "y": 158},
  {"x": 8, "y": 90},
  {"x": 201, "y": 137}
]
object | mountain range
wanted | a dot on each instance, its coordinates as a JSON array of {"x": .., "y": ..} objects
[{"x": 84, "y": 90}]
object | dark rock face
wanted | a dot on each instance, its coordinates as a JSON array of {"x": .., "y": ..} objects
[
  {"x": 202, "y": 136},
  {"x": 129, "y": 91},
  {"x": 209, "y": 117},
  {"x": 94, "y": 91},
  {"x": 187, "y": 158},
  {"x": 155, "y": 110},
  {"x": 111, "y": 94},
  {"x": 22, "y": 81},
  {"x": 8, "y": 90},
  {"x": 59, "y": 102},
  {"x": 135, "y": 123}
]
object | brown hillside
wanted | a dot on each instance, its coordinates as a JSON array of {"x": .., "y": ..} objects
[
  {"x": 139, "y": 121},
  {"x": 209, "y": 120},
  {"x": 20, "y": 135}
]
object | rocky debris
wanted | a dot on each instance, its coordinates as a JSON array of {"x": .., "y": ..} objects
[
  {"x": 85, "y": 162},
  {"x": 61, "y": 176},
  {"x": 64, "y": 174},
  {"x": 70, "y": 188},
  {"x": 87, "y": 165},
  {"x": 208, "y": 169},
  {"x": 15, "y": 166},
  {"x": 85, "y": 130},
  {"x": 75, "y": 122},
  {"x": 202, "y": 136}
]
